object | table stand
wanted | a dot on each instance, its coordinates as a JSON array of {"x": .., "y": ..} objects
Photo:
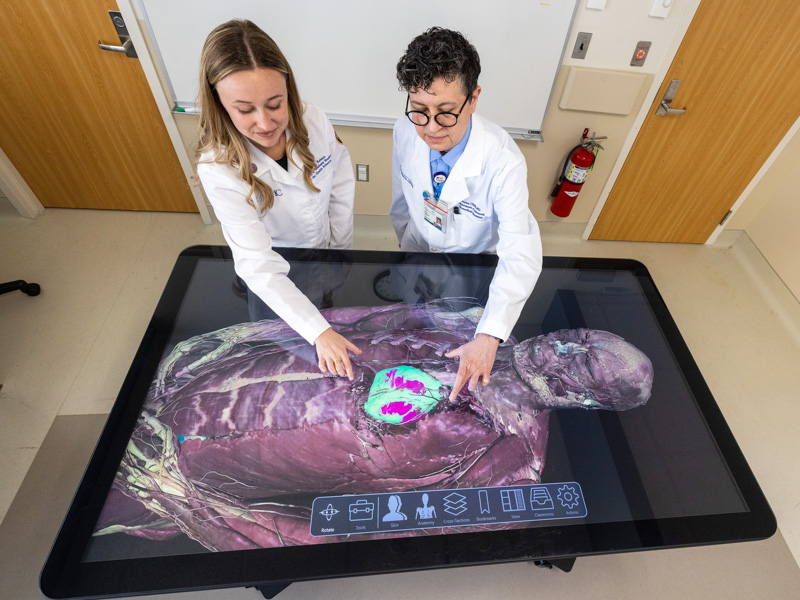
[
  {"x": 270, "y": 590},
  {"x": 565, "y": 564}
]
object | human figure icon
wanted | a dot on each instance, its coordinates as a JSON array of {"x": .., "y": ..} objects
[
  {"x": 425, "y": 511},
  {"x": 394, "y": 513}
]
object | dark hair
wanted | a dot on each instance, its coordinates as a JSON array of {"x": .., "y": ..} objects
[{"x": 439, "y": 53}]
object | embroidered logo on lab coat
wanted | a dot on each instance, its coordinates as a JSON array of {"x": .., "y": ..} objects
[
  {"x": 404, "y": 176},
  {"x": 472, "y": 209},
  {"x": 322, "y": 162},
  {"x": 278, "y": 192},
  {"x": 338, "y": 139}
]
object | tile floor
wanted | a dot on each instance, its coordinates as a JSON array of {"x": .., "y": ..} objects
[{"x": 67, "y": 351}]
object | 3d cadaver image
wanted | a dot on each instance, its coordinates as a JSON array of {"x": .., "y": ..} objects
[{"x": 240, "y": 430}]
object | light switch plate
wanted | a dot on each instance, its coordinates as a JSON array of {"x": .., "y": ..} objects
[
  {"x": 581, "y": 45},
  {"x": 362, "y": 172},
  {"x": 661, "y": 8}
]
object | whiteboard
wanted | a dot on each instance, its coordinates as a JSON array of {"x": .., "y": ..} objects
[{"x": 344, "y": 52}]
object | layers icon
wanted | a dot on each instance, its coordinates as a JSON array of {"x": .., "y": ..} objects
[{"x": 455, "y": 504}]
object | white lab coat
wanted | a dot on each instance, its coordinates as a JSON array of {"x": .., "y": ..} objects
[
  {"x": 489, "y": 182},
  {"x": 299, "y": 218}
]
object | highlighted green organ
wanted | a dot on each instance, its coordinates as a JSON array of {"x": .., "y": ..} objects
[{"x": 402, "y": 395}]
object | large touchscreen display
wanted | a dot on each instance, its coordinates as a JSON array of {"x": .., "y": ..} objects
[{"x": 244, "y": 443}]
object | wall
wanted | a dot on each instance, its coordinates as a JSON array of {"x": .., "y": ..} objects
[
  {"x": 771, "y": 215},
  {"x": 616, "y": 30},
  {"x": 16, "y": 192}
]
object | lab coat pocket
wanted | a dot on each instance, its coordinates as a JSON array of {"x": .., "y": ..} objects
[{"x": 472, "y": 233}]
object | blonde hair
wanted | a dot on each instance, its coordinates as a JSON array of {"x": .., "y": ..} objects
[{"x": 240, "y": 45}]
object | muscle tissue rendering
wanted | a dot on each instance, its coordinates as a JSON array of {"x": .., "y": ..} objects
[{"x": 240, "y": 430}]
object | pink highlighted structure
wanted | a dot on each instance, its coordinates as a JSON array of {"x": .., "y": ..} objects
[{"x": 402, "y": 395}]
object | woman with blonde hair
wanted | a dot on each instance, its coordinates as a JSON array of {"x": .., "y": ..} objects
[{"x": 276, "y": 174}]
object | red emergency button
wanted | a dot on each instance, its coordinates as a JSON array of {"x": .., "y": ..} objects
[{"x": 640, "y": 54}]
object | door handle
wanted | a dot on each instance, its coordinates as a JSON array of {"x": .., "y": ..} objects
[
  {"x": 664, "y": 109},
  {"x": 126, "y": 47},
  {"x": 664, "y": 105},
  {"x": 124, "y": 38}
]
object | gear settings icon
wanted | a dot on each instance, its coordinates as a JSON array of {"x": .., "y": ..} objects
[{"x": 568, "y": 496}]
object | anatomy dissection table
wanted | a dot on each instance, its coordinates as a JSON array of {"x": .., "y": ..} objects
[{"x": 229, "y": 459}]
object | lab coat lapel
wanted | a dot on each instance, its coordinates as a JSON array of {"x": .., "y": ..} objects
[
  {"x": 268, "y": 170},
  {"x": 468, "y": 165},
  {"x": 422, "y": 168},
  {"x": 295, "y": 173}
]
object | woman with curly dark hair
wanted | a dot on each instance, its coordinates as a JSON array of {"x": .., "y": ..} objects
[{"x": 459, "y": 184}]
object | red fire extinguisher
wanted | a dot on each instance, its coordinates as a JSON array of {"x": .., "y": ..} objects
[{"x": 579, "y": 161}]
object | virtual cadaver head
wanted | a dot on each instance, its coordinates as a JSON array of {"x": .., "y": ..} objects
[{"x": 584, "y": 367}]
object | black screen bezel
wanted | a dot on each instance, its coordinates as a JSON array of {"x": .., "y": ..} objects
[{"x": 65, "y": 575}]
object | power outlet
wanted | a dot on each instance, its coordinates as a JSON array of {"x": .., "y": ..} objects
[
  {"x": 362, "y": 172},
  {"x": 581, "y": 45}
]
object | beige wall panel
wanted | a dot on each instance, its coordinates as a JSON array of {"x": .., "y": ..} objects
[
  {"x": 372, "y": 147},
  {"x": 775, "y": 227},
  {"x": 189, "y": 128},
  {"x": 779, "y": 179},
  {"x": 602, "y": 90}
]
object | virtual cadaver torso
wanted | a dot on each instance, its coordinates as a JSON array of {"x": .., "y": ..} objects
[{"x": 245, "y": 414}]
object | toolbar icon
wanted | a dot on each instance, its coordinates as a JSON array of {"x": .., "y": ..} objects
[
  {"x": 329, "y": 512},
  {"x": 425, "y": 511},
  {"x": 394, "y": 513},
  {"x": 568, "y": 496},
  {"x": 541, "y": 498},
  {"x": 483, "y": 497},
  {"x": 455, "y": 504},
  {"x": 513, "y": 500},
  {"x": 362, "y": 510}
]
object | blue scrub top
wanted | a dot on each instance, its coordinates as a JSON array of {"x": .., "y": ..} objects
[{"x": 445, "y": 163}]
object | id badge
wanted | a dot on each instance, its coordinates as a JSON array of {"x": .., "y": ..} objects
[{"x": 435, "y": 212}]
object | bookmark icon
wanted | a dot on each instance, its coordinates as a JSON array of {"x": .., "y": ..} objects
[{"x": 483, "y": 497}]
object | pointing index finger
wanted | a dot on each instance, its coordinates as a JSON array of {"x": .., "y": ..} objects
[
  {"x": 461, "y": 379},
  {"x": 348, "y": 367}
]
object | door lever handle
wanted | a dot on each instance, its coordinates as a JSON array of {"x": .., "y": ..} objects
[
  {"x": 126, "y": 47},
  {"x": 124, "y": 38},
  {"x": 664, "y": 105},
  {"x": 664, "y": 109}
]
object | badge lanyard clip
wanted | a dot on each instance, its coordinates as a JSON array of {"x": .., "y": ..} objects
[{"x": 438, "y": 181}]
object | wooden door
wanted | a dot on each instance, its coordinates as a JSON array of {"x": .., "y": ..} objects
[
  {"x": 79, "y": 123},
  {"x": 738, "y": 64}
]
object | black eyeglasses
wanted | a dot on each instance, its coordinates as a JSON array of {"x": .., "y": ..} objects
[{"x": 444, "y": 119}]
